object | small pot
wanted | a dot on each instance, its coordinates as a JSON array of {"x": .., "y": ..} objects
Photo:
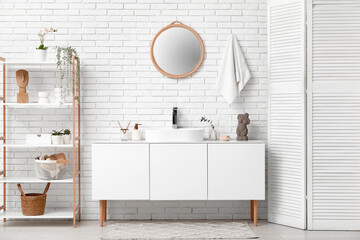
[
  {"x": 56, "y": 139},
  {"x": 68, "y": 99},
  {"x": 58, "y": 90},
  {"x": 68, "y": 96},
  {"x": 40, "y": 55},
  {"x": 59, "y": 97},
  {"x": 66, "y": 139}
]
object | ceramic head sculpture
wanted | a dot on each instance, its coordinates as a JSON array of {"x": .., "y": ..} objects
[
  {"x": 22, "y": 80},
  {"x": 242, "y": 131}
]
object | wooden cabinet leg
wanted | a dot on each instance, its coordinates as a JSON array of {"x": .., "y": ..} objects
[
  {"x": 105, "y": 208},
  {"x": 252, "y": 210},
  {"x": 255, "y": 212},
  {"x": 101, "y": 213}
]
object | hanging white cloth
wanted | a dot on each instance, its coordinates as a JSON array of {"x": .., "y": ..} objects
[{"x": 234, "y": 73}]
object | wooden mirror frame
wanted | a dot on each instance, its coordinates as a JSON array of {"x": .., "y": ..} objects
[{"x": 181, "y": 25}]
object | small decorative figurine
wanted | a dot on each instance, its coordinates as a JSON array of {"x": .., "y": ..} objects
[
  {"x": 242, "y": 131},
  {"x": 22, "y": 80}
]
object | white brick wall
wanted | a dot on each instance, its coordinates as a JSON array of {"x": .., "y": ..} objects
[{"x": 119, "y": 82}]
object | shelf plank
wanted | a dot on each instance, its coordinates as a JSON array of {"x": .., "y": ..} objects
[
  {"x": 32, "y": 180},
  {"x": 27, "y": 62},
  {"x": 60, "y": 213},
  {"x": 36, "y": 105},
  {"x": 36, "y": 146},
  {"x": 31, "y": 63}
]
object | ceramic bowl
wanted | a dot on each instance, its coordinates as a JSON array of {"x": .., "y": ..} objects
[{"x": 43, "y": 94}]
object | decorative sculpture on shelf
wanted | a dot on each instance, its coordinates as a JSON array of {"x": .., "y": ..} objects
[
  {"x": 22, "y": 80},
  {"x": 242, "y": 131}
]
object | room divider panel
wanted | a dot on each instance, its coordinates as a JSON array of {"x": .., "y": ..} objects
[
  {"x": 286, "y": 52},
  {"x": 333, "y": 115},
  {"x": 328, "y": 108}
]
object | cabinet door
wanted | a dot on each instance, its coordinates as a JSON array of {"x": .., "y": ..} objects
[
  {"x": 178, "y": 171},
  {"x": 236, "y": 171},
  {"x": 120, "y": 171}
]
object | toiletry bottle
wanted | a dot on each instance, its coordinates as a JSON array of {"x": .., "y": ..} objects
[{"x": 136, "y": 135}]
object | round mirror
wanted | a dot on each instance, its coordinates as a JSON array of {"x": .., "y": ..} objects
[{"x": 177, "y": 50}]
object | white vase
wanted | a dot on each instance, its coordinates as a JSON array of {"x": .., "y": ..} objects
[
  {"x": 66, "y": 139},
  {"x": 40, "y": 55},
  {"x": 213, "y": 134},
  {"x": 56, "y": 139}
]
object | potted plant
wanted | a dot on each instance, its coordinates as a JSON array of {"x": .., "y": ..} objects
[
  {"x": 64, "y": 64},
  {"x": 66, "y": 137},
  {"x": 41, "y": 51},
  {"x": 56, "y": 137}
]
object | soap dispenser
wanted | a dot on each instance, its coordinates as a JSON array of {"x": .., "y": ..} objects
[{"x": 136, "y": 135}]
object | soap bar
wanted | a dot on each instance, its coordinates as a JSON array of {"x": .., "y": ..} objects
[{"x": 224, "y": 138}]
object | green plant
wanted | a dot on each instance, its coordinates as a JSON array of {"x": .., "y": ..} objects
[
  {"x": 42, "y": 34},
  {"x": 64, "y": 64},
  {"x": 67, "y": 132},
  {"x": 57, "y": 133},
  {"x": 210, "y": 122}
]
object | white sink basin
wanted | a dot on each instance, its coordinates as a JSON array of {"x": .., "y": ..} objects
[{"x": 175, "y": 135}]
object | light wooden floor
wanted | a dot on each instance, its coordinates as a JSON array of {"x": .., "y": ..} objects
[{"x": 88, "y": 230}]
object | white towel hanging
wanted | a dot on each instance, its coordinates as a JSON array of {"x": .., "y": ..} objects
[{"x": 234, "y": 73}]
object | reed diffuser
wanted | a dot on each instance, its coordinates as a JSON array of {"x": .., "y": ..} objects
[{"x": 123, "y": 136}]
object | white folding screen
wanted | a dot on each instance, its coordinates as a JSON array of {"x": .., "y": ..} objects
[
  {"x": 287, "y": 146},
  {"x": 334, "y": 114}
]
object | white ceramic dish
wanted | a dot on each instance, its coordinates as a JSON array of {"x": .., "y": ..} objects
[{"x": 43, "y": 100}]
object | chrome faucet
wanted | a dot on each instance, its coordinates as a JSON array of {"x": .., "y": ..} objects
[{"x": 174, "y": 117}]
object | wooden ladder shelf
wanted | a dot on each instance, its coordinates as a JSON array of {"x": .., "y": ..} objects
[{"x": 75, "y": 150}]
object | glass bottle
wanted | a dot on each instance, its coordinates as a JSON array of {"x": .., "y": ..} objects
[{"x": 213, "y": 135}]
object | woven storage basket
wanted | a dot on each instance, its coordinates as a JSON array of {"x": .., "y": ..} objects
[{"x": 33, "y": 204}]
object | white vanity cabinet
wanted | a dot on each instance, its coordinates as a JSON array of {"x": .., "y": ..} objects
[
  {"x": 120, "y": 171},
  {"x": 206, "y": 170},
  {"x": 236, "y": 171},
  {"x": 178, "y": 171}
]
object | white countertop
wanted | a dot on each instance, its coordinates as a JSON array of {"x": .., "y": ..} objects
[{"x": 202, "y": 142}]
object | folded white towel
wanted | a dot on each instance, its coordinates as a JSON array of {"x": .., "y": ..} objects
[{"x": 234, "y": 73}]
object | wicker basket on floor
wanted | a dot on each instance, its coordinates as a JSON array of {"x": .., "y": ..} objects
[{"x": 33, "y": 204}]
